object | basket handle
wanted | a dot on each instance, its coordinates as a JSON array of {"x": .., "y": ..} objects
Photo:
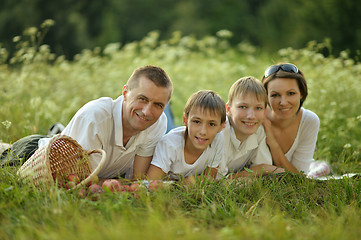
[{"x": 97, "y": 169}]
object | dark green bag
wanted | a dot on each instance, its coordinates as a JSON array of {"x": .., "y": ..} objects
[{"x": 20, "y": 151}]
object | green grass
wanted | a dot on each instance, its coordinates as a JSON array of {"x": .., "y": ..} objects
[
  {"x": 38, "y": 89},
  {"x": 273, "y": 207}
]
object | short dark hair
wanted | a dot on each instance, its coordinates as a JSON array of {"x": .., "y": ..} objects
[
  {"x": 205, "y": 100},
  {"x": 155, "y": 74}
]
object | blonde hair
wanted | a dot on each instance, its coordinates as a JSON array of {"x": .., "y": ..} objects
[{"x": 248, "y": 85}]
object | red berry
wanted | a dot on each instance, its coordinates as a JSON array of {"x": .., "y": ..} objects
[
  {"x": 95, "y": 188},
  {"x": 95, "y": 191},
  {"x": 70, "y": 185},
  {"x": 112, "y": 185},
  {"x": 82, "y": 193},
  {"x": 133, "y": 187},
  {"x": 73, "y": 178},
  {"x": 155, "y": 185}
]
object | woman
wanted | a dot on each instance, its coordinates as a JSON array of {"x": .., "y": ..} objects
[{"x": 291, "y": 129}]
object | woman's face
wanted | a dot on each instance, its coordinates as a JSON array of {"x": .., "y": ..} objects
[{"x": 284, "y": 97}]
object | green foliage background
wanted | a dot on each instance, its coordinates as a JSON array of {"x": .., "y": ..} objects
[
  {"x": 269, "y": 24},
  {"x": 38, "y": 88}
]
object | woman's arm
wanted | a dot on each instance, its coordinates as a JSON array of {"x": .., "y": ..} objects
[
  {"x": 279, "y": 158},
  {"x": 259, "y": 170}
]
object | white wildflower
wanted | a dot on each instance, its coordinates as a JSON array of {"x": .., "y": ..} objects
[
  {"x": 347, "y": 145},
  {"x": 7, "y": 124},
  {"x": 16, "y": 39},
  {"x": 48, "y": 23},
  {"x": 224, "y": 33}
]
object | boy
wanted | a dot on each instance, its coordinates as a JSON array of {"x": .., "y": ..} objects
[
  {"x": 190, "y": 150},
  {"x": 244, "y": 136}
]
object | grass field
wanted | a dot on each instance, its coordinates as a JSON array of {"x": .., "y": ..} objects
[{"x": 38, "y": 89}]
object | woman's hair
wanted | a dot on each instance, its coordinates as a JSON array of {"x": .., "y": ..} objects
[
  {"x": 247, "y": 85},
  {"x": 206, "y": 100},
  {"x": 299, "y": 77}
]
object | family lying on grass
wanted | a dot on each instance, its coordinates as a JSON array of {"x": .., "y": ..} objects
[{"x": 263, "y": 129}]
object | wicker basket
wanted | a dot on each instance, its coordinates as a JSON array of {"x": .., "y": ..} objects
[{"x": 60, "y": 157}]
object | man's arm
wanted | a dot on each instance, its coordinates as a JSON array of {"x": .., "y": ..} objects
[{"x": 140, "y": 166}]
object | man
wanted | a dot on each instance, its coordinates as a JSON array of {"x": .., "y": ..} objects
[{"x": 127, "y": 128}]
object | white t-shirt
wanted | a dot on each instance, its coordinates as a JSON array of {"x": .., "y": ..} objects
[
  {"x": 252, "y": 151},
  {"x": 301, "y": 152},
  {"x": 98, "y": 125},
  {"x": 169, "y": 155}
]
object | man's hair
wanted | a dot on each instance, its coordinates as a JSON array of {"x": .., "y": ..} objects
[
  {"x": 206, "y": 100},
  {"x": 155, "y": 74},
  {"x": 247, "y": 85}
]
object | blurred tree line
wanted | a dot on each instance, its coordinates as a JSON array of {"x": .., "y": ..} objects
[{"x": 269, "y": 24}]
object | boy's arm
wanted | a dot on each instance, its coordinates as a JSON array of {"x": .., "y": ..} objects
[
  {"x": 265, "y": 169},
  {"x": 140, "y": 166},
  {"x": 155, "y": 173},
  {"x": 218, "y": 145},
  {"x": 211, "y": 172},
  {"x": 259, "y": 170}
]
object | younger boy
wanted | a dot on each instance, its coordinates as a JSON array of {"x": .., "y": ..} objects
[
  {"x": 244, "y": 135},
  {"x": 190, "y": 150}
]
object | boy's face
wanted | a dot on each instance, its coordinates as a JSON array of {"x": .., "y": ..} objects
[
  {"x": 143, "y": 105},
  {"x": 246, "y": 114},
  {"x": 203, "y": 126}
]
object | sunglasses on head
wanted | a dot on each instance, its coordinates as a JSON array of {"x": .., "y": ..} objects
[{"x": 288, "y": 67}]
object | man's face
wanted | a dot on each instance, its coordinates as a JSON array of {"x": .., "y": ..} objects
[{"x": 143, "y": 105}]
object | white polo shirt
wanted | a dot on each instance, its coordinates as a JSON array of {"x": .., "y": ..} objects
[
  {"x": 169, "y": 155},
  {"x": 98, "y": 125},
  {"x": 301, "y": 152},
  {"x": 251, "y": 152}
]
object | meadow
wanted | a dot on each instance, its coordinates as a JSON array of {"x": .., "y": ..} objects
[{"x": 38, "y": 89}]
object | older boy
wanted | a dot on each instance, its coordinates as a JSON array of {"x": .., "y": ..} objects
[{"x": 245, "y": 139}]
